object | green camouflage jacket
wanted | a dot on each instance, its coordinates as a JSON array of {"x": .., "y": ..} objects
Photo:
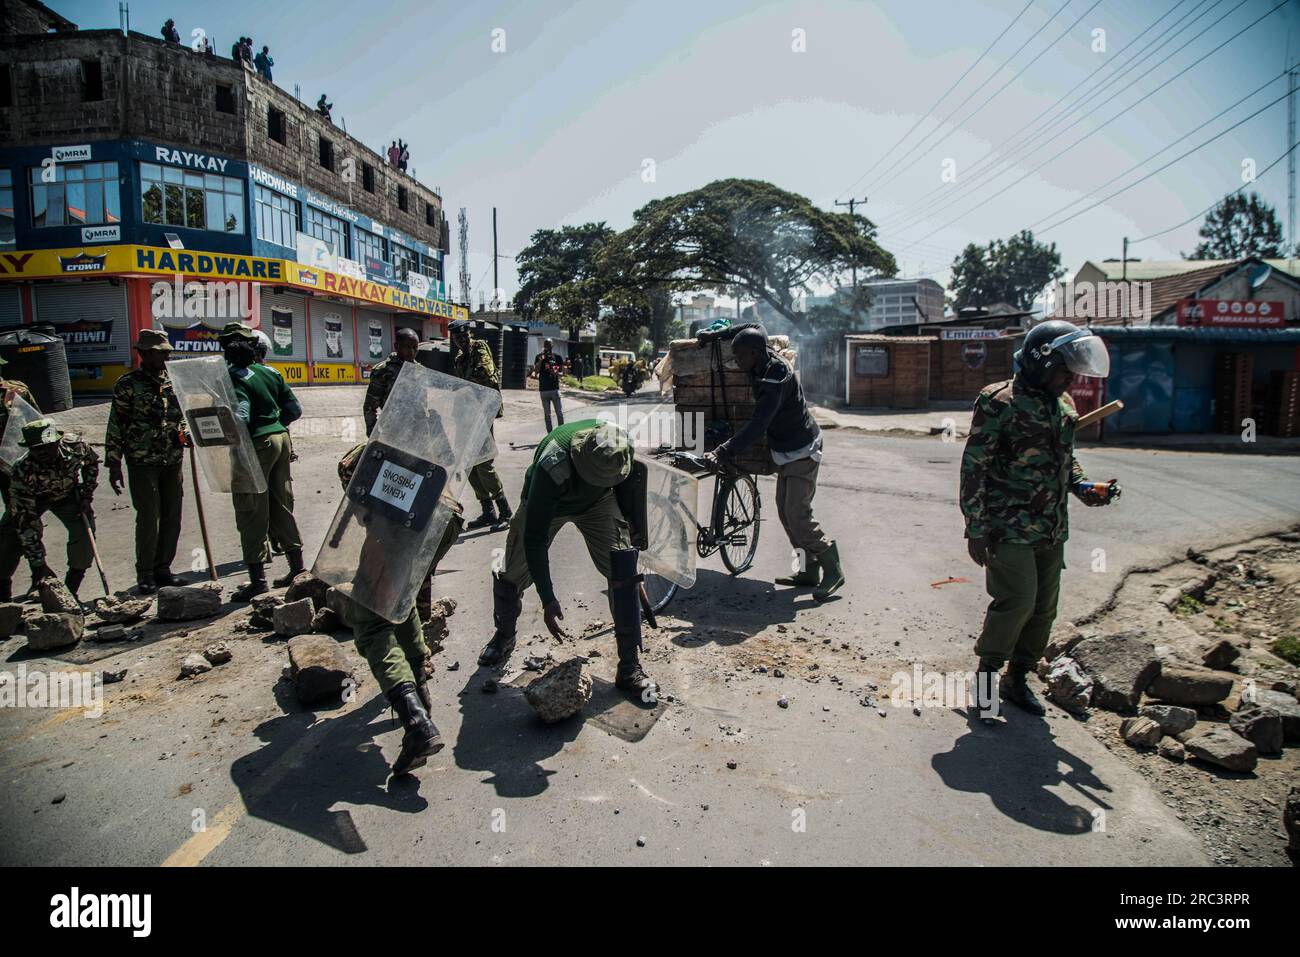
[
  {"x": 478, "y": 366},
  {"x": 1018, "y": 466},
  {"x": 382, "y": 376},
  {"x": 75, "y": 473},
  {"x": 144, "y": 421}
]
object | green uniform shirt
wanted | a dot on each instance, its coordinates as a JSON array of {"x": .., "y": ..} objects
[
  {"x": 553, "y": 489},
  {"x": 1018, "y": 466},
  {"x": 267, "y": 396},
  {"x": 477, "y": 365},
  {"x": 144, "y": 421}
]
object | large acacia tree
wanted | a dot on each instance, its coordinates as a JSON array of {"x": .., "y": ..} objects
[
  {"x": 1013, "y": 271},
  {"x": 741, "y": 234},
  {"x": 1240, "y": 226},
  {"x": 557, "y": 275}
]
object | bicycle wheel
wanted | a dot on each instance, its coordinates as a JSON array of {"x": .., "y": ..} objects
[
  {"x": 740, "y": 525},
  {"x": 658, "y": 590}
]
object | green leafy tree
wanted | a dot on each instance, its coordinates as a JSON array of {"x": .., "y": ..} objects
[
  {"x": 1240, "y": 226},
  {"x": 557, "y": 275},
  {"x": 742, "y": 234},
  {"x": 1014, "y": 271}
]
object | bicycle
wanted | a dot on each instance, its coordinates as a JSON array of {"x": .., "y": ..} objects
[{"x": 735, "y": 511}]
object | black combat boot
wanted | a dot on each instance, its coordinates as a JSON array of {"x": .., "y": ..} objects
[
  {"x": 984, "y": 690},
  {"x": 422, "y": 689},
  {"x": 421, "y": 738},
  {"x": 506, "y": 606},
  {"x": 164, "y": 578},
  {"x": 1014, "y": 687},
  {"x": 256, "y": 584},
  {"x": 147, "y": 585},
  {"x": 488, "y": 518},
  {"x": 625, "y": 603},
  {"x": 504, "y": 512},
  {"x": 295, "y": 568},
  {"x": 73, "y": 579}
]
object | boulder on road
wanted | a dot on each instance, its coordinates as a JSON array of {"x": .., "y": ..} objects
[
  {"x": 1220, "y": 745},
  {"x": 318, "y": 668},
  {"x": 1173, "y": 720},
  {"x": 51, "y": 630},
  {"x": 194, "y": 664},
  {"x": 326, "y": 621},
  {"x": 57, "y": 598},
  {"x": 218, "y": 654},
  {"x": 1177, "y": 684},
  {"x": 1285, "y": 705},
  {"x": 293, "y": 618},
  {"x": 1173, "y": 749},
  {"x": 1140, "y": 732},
  {"x": 188, "y": 602},
  {"x": 121, "y": 608},
  {"x": 263, "y": 607},
  {"x": 1068, "y": 685},
  {"x": 307, "y": 585},
  {"x": 561, "y": 692},
  {"x": 1261, "y": 726},
  {"x": 1120, "y": 665}
]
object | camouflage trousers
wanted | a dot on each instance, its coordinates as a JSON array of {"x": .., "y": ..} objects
[
  {"x": 1024, "y": 582},
  {"x": 80, "y": 556},
  {"x": 396, "y": 652},
  {"x": 272, "y": 510}
]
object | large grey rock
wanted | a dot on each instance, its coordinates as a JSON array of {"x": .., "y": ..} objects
[
  {"x": 1261, "y": 726},
  {"x": 1285, "y": 705},
  {"x": 561, "y": 692},
  {"x": 121, "y": 608},
  {"x": 219, "y": 653},
  {"x": 1068, "y": 685},
  {"x": 11, "y": 616},
  {"x": 1172, "y": 718},
  {"x": 57, "y": 599},
  {"x": 194, "y": 664},
  {"x": 307, "y": 585},
  {"x": 326, "y": 621},
  {"x": 188, "y": 602},
  {"x": 263, "y": 607},
  {"x": 1140, "y": 732},
  {"x": 1220, "y": 655},
  {"x": 293, "y": 618},
  {"x": 1173, "y": 749},
  {"x": 435, "y": 629},
  {"x": 1121, "y": 666},
  {"x": 318, "y": 668},
  {"x": 1220, "y": 745},
  {"x": 49, "y": 631},
  {"x": 1176, "y": 684}
]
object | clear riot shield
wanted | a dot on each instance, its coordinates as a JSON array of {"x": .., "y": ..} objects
[
  {"x": 20, "y": 413},
  {"x": 388, "y": 526},
  {"x": 221, "y": 442},
  {"x": 487, "y": 453},
  {"x": 672, "y": 503}
]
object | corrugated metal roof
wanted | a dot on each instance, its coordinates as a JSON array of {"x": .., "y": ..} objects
[
  {"x": 1159, "y": 269},
  {"x": 1280, "y": 337},
  {"x": 875, "y": 338}
]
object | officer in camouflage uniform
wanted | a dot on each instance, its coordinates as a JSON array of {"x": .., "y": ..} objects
[
  {"x": 1016, "y": 471},
  {"x": 396, "y": 652},
  {"x": 146, "y": 427},
  {"x": 474, "y": 362},
  {"x": 58, "y": 474},
  {"x": 406, "y": 344},
  {"x": 10, "y": 548},
  {"x": 572, "y": 479}
]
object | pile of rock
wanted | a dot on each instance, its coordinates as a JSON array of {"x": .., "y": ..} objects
[{"x": 61, "y": 621}]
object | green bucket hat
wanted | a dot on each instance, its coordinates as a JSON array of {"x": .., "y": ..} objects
[
  {"x": 152, "y": 340},
  {"x": 40, "y": 432},
  {"x": 602, "y": 455},
  {"x": 236, "y": 329}
]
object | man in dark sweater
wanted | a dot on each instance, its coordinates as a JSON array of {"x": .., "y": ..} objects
[
  {"x": 548, "y": 367},
  {"x": 266, "y": 405},
  {"x": 794, "y": 441}
]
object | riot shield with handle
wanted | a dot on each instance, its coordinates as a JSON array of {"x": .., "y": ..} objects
[
  {"x": 671, "y": 504},
  {"x": 386, "y": 531},
  {"x": 221, "y": 441},
  {"x": 20, "y": 413}
]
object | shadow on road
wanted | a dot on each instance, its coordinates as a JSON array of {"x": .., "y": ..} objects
[
  {"x": 1014, "y": 763},
  {"x": 726, "y": 610},
  {"x": 308, "y": 766}
]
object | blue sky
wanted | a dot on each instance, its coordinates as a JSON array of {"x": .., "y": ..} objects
[{"x": 558, "y": 127}]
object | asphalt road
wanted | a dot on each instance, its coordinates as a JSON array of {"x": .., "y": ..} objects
[{"x": 228, "y": 769}]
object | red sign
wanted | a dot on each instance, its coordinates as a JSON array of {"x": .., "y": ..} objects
[{"x": 1231, "y": 312}]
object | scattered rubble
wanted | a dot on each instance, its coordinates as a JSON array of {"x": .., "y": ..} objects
[
  {"x": 57, "y": 598},
  {"x": 194, "y": 664},
  {"x": 561, "y": 692},
  {"x": 1219, "y": 745},
  {"x": 1173, "y": 720},
  {"x": 1068, "y": 685},
  {"x": 121, "y": 608},
  {"x": 1140, "y": 732},
  {"x": 307, "y": 585},
  {"x": 293, "y": 618},
  {"x": 264, "y": 606},
  {"x": 51, "y": 631},
  {"x": 188, "y": 602},
  {"x": 318, "y": 668},
  {"x": 1190, "y": 686},
  {"x": 218, "y": 654},
  {"x": 1121, "y": 667}
]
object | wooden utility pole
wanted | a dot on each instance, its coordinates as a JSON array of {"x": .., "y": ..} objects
[
  {"x": 496, "y": 282},
  {"x": 852, "y": 204}
]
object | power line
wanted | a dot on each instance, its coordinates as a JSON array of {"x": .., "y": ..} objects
[{"x": 942, "y": 96}]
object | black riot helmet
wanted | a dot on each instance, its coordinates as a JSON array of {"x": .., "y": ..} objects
[{"x": 1055, "y": 344}]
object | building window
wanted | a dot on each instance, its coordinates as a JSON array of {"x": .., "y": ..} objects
[
  {"x": 430, "y": 219},
  {"x": 225, "y": 98},
  {"x": 401, "y": 198},
  {"x": 7, "y": 235},
  {"x": 367, "y": 177},
  {"x": 92, "y": 81},
  {"x": 431, "y": 267},
  {"x": 404, "y": 261},
  {"x": 277, "y": 217},
  {"x": 275, "y": 124},
  {"x": 369, "y": 246},
  {"x": 329, "y": 229},
  {"x": 327, "y": 153},
  {"x": 81, "y": 194},
  {"x": 170, "y": 196}
]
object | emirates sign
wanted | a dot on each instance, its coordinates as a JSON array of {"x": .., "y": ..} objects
[{"x": 1231, "y": 312}]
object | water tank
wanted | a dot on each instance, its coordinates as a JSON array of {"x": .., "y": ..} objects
[
  {"x": 435, "y": 357},
  {"x": 514, "y": 360},
  {"x": 36, "y": 357},
  {"x": 490, "y": 333}
]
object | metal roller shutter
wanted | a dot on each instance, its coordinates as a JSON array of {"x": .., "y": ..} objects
[
  {"x": 368, "y": 321},
  {"x": 333, "y": 326},
  {"x": 91, "y": 317},
  {"x": 296, "y": 307},
  {"x": 11, "y": 306}
]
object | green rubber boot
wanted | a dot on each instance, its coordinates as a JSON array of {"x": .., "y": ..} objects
[
  {"x": 807, "y": 577},
  {"x": 832, "y": 572}
]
